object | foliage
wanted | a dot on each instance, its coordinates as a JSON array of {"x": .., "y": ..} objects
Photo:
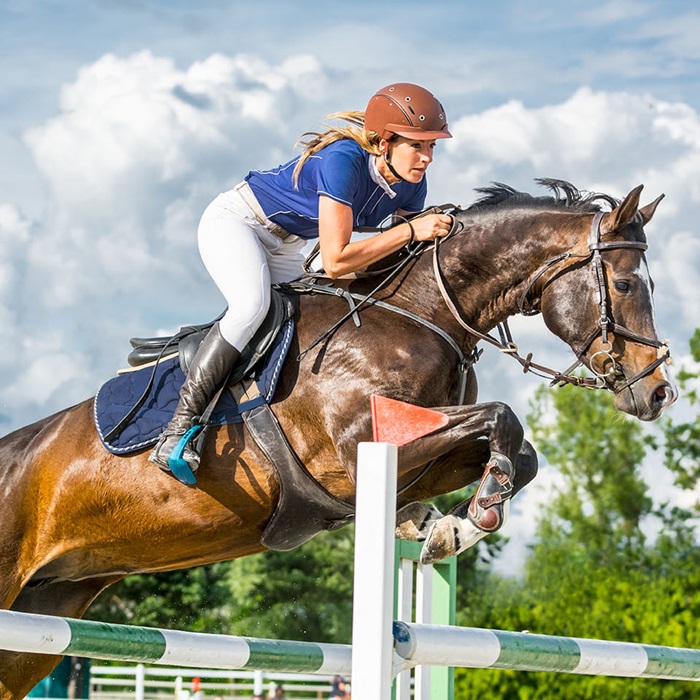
[
  {"x": 600, "y": 603},
  {"x": 591, "y": 573},
  {"x": 305, "y": 594},
  {"x": 302, "y": 594},
  {"x": 192, "y": 599},
  {"x": 598, "y": 453},
  {"x": 682, "y": 440}
]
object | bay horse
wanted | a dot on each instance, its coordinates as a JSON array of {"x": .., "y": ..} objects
[{"x": 77, "y": 518}]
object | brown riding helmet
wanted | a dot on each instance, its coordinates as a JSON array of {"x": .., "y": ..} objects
[{"x": 407, "y": 110}]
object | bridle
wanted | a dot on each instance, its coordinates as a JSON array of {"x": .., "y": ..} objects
[
  {"x": 506, "y": 344},
  {"x": 603, "y": 329}
]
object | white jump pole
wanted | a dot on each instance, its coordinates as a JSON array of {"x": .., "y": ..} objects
[
  {"x": 404, "y": 612},
  {"x": 257, "y": 682},
  {"x": 140, "y": 682},
  {"x": 375, "y": 515}
]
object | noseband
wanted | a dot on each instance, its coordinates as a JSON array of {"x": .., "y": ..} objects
[{"x": 605, "y": 324}]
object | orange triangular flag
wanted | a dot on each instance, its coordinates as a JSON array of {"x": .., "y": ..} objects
[{"x": 397, "y": 422}]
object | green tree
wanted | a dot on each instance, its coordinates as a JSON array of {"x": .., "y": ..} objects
[
  {"x": 194, "y": 599},
  {"x": 305, "y": 594},
  {"x": 598, "y": 452},
  {"x": 682, "y": 440},
  {"x": 302, "y": 594},
  {"x": 592, "y": 572}
]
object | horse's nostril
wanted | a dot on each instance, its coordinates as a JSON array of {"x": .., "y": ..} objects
[{"x": 664, "y": 395}]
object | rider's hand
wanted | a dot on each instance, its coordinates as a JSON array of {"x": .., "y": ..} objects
[{"x": 431, "y": 226}]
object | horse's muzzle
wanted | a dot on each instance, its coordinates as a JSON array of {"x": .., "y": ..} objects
[{"x": 644, "y": 402}]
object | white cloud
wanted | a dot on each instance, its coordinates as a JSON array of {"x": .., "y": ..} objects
[
  {"x": 595, "y": 138},
  {"x": 139, "y": 146},
  {"x": 608, "y": 142},
  {"x": 14, "y": 236},
  {"x": 135, "y": 152}
]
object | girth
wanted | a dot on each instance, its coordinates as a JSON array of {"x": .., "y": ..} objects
[{"x": 304, "y": 507}]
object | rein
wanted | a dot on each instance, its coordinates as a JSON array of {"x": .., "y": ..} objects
[
  {"x": 604, "y": 328},
  {"x": 465, "y": 362}
]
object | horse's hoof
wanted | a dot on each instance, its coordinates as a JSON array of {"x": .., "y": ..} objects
[
  {"x": 449, "y": 536},
  {"x": 413, "y": 521}
]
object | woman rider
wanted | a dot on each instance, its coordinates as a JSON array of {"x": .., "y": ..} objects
[{"x": 252, "y": 236}]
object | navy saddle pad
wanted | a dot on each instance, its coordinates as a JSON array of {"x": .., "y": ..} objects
[{"x": 118, "y": 395}]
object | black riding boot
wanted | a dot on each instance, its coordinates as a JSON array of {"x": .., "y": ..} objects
[{"x": 211, "y": 365}]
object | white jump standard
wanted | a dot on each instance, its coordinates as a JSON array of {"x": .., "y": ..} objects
[{"x": 439, "y": 645}]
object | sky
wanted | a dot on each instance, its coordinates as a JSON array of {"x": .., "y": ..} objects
[{"x": 121, "y": 120}]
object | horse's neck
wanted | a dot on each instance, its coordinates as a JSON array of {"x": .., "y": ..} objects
[{"x": 487, "y": 267}]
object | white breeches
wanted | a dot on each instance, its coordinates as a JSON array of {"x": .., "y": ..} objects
[{"x": 244, "y": 258}]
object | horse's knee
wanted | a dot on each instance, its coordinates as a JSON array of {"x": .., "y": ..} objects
[
  {"x": 505, "y": 416},
  {"x": 505, "y": 425},
  {"x": 526, "y": 466}
]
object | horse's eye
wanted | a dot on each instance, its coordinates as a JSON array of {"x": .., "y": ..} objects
[{"x": 622, "y": 286}]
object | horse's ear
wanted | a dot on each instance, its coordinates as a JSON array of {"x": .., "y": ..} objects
[
  {"x": 624, "y": 213},
  {"x": 648, "y": 211}
]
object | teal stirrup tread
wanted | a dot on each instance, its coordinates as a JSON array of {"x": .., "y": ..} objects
[{"x": 178, "y": 466}]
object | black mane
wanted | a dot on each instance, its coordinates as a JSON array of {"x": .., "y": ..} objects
[{"x": 565, "y": 196}]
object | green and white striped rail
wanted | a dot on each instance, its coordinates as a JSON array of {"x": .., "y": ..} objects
[
  {"x": 414, "y": 644},
  {"x": 46, "y": 634},
  {"x": 468, "y": 647}
]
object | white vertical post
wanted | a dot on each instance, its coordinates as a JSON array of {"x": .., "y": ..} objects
[
  {"x": 140, "y": 678},
  {"x": 424, "y": 614},
  {"x": 257, "y": 682},
  {"x": 179, "y": 689},
  {"x": 405, "y": 613},
  {"x": 373, "y": 602}
]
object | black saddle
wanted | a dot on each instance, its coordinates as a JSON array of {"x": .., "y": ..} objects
[
  {"x": 304, "y": 508},
  {"x": 186, "y": 341}
]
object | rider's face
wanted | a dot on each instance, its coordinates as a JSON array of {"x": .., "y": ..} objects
[{"x": 410, "y": 158}]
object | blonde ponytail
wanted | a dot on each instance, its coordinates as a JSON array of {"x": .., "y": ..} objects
[{"x": 354, "y": 131}]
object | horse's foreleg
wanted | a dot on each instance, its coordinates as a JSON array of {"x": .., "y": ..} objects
[
  {"x": 461, "y": 528},
  {"x": 450, "y": 473},
  {"x": 488, "y": 510},
  {"x": 20, "y": 672}
]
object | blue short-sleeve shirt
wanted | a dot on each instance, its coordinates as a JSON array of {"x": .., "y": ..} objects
[{"x": 340, "y": 171}]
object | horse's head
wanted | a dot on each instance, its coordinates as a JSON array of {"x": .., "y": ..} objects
[{"x": 600, "y": 302}]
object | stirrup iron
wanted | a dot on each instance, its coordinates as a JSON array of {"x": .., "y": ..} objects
[{"x": 178, "y": 466}]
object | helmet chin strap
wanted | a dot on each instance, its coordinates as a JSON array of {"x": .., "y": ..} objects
[{"x": 391, "y": 167}]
